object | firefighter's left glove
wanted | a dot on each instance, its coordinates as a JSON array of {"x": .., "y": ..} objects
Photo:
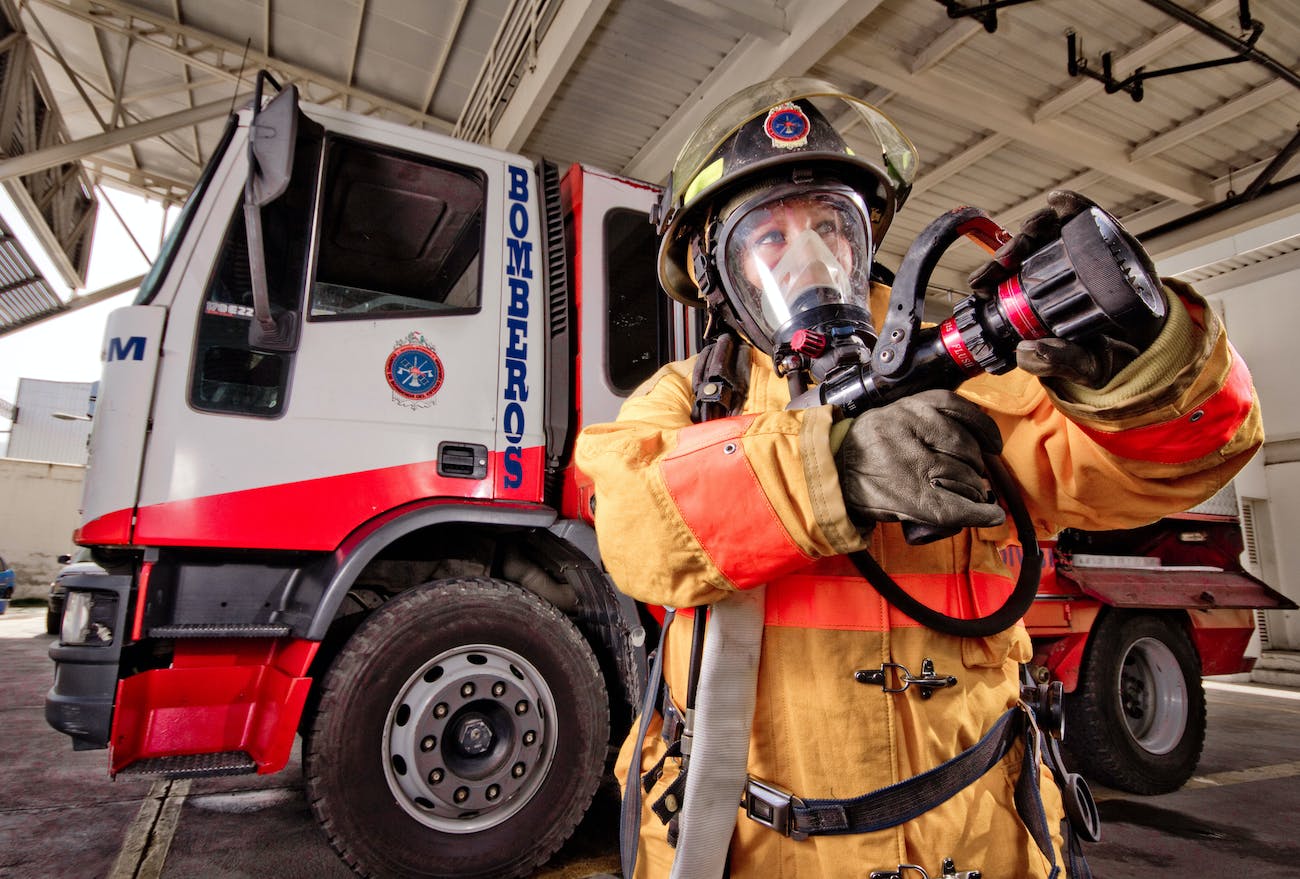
[
  {"x": 1092, "y": 364},
  {"x": 920, "y": 459}
]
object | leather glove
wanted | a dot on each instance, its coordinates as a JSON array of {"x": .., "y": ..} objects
[
  {"x": 1092, "y": 364},
  {"x": 920, "y": 459}
]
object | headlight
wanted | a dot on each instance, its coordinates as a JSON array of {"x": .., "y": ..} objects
[{"x": 88, "y": 618}]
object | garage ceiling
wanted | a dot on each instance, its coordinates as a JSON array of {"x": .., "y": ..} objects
[{"x": 143, "y": 89}]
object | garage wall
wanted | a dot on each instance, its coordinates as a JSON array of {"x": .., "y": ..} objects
[
  {"x": 1262, "y": 316},
  {"x": 39, "y": 504}
]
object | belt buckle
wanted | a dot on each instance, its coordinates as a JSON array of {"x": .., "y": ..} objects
[{"x": 770, "y": 806}]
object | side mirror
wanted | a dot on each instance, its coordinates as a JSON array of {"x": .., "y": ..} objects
[
  {"x": 271, "y": 138},
  {"x": 272, "y": 134}
]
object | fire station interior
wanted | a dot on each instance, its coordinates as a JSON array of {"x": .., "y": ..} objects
[{"x": 1180, "y": 117}]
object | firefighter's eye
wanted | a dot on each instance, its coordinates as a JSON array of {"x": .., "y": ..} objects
[{"x": 770, "y": 238}]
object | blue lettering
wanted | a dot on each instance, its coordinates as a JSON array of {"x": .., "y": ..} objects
[
  {"x": 514, "y": 464},
  {"x": 519, "y": 268},
  {"x": 519, "y": 258},
  {"x": 518, "y": 306},
  {"x": 131, "y": 349},
  {"x": 516, "y": 338},
  {"x": 514, "y": 423},
  {"x": 518, "y": 220},
  {"x": 518, "y": 184},
  {"x": 516, "y": 375}
]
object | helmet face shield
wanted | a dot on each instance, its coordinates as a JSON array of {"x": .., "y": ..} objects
[{"x": 787, "y": 252}]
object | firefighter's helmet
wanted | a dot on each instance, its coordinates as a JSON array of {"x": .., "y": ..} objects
[{"x": 782, "y": 131}]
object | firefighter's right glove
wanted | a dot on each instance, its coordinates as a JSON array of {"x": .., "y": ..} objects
[
  {"x": 920, "y": 459},
  {"x": 1093, "y": 364}
]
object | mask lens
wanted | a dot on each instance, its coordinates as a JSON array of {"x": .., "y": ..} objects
[{"x": 788, "y": 254}]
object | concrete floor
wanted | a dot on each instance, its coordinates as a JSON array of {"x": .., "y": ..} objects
[{"x": 61, "y": 816}]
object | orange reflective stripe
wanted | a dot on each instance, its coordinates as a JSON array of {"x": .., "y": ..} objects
[
  {"x": 721, "y": 500},
  {"x": 832, "y": 595},
  {"x": 1193, "y": 435}
]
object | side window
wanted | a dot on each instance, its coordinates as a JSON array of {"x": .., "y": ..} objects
[
  {"x": 399, "y": 234},
  {"x": 228, "y": 375},
  {"x": 638, "y": 324}
]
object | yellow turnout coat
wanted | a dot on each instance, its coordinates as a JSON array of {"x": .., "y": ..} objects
[{"x": 686, "y": 514}]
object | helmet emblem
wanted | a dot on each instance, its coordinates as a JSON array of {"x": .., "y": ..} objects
[{"x": 787, "y": 126}]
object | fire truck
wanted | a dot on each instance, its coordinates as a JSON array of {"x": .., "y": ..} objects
[{"x": 331, "y": 488}]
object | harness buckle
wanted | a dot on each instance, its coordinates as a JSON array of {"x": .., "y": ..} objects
[
  {"x": 1047, "y": 703},
  {"x": 771, "y": 806}
]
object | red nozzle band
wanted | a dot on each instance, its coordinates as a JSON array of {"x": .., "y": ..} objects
[{"x": 1016, "y": 306}]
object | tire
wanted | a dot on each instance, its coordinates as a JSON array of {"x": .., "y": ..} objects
[
  {"x": 461, "y": 732},
  {"x": 1137, "y": 720},
  {"x": 53, "y": 622}
]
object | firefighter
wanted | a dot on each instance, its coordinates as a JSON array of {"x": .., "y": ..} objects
[{"x": 703, "y": 498}]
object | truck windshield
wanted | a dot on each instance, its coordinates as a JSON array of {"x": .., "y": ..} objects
[{"x": 149, "y": 286}]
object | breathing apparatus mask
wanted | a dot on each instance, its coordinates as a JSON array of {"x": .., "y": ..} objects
[
  {"x": 772, "y": 214},
  {"x": 794, "y": 261}
]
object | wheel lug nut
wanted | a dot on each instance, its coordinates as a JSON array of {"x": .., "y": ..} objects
[
  {"x": 467, "y": 690},
  {"x": 428, "y": 743},
  {"x": 530, "y": 737},
  {"x": 493, "y": 792},
  {"x": 521, "y": 707},
  {"x": 440, "y": 710},
  {"x": 517, "y": 770},
  {"x": 461, "y": 795},
  {"x": 498, "y": 689},
  {"x": 435, "y": 776}
]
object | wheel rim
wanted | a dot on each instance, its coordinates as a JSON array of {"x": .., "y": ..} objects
[
  {"x": 469, "y": 738},
  {"x": 1153, "y": 695}
]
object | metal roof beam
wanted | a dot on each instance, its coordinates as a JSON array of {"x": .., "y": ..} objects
[
  {"x": 356, "y": 49},
  {"x": 815, "y": 27},
  {"x": 1203, "y": 122},
  {"x": 981, "y": 109},
  {"x": 49, "y": 157},
  {"x": 762, "y": 19},
  {"x": 158, "y": 32},
  {"x": 435, "y": 75},
  {"x": 1125, "y": 64},
  {"x": 947, "y": 42},
  {"x": 565, "y": 37}
]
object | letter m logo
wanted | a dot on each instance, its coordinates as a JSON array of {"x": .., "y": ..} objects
[{"x": 128, "y": 349}]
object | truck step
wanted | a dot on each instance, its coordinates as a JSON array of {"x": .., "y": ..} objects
[
  {"x": 220, "y": 630},
  {"x": 194, "y": 765}
]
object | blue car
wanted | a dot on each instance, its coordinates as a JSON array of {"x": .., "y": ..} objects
[{"x": 6, "y": 584}]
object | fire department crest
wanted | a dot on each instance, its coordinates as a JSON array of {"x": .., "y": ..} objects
[
  {"x": 414, "y": 372},
  {"x": 787, "y": 126}
]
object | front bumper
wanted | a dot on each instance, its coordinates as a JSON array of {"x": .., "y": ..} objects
[{"x": 80, "y": 704}]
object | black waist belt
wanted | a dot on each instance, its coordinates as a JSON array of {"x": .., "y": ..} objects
[{"x": 889, "y": 806}]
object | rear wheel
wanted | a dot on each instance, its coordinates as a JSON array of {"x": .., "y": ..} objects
[
  {"x": 1137, "y": 720},
  {"x": 461, "y": 732}
]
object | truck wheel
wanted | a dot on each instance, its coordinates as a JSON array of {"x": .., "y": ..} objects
[
  {"x": 1137, "y": 720},
  {"x": 461, "y": 732}
]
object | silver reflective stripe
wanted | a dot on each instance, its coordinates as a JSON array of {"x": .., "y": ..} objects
[{"x": 724, "y": 714}]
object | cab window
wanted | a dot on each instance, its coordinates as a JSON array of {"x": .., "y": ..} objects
[
  {"x": 638, "y": 329},
  {"x": 229, "y": 375},
  {"x": 400, "y": 234}
]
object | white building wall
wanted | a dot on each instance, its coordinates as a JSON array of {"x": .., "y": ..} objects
[
  {"x": 39, "y": 504},
  {"x": 1261, "y": 309},
  {"x": 51, "y": 423}
]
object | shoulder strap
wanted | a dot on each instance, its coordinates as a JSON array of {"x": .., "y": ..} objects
[{"x": 721, "y": 378}]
